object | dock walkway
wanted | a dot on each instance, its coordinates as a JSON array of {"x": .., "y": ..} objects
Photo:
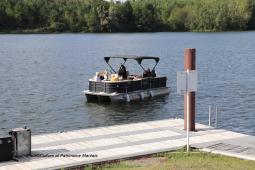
[{"x": 79, "y": 147}]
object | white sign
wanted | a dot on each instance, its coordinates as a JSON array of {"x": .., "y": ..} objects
[{"x": 186, "y": 81}]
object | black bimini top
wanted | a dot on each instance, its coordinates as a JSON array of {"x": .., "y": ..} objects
[{"x": 139, "y": 59}]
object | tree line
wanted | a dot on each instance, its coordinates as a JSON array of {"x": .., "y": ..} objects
[{"x": 129, "y": 16}]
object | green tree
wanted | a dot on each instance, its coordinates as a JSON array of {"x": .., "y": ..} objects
[
  {"x": 130, "y": 16},
  {"x": 146, "y": 17},
  {"x": 251, "y": 23},
  {"x": 121, "y": 17}
]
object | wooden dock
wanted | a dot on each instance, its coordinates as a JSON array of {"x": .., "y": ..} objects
[{"x": 74, "y": 148}]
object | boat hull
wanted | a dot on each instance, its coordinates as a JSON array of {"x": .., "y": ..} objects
[{"x": 126, "y": 97}]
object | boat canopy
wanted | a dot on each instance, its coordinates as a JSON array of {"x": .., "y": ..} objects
[{"x": 139, "y": 59}]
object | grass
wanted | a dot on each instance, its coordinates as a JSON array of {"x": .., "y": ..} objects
[{"x": 178, "y": 160}]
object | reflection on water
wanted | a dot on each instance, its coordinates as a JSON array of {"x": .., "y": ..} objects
[
  {"x": 42, "y": 77},
  {"x": 118, "y": 113}
]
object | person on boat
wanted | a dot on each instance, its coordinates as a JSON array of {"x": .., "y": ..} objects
[
  {"x": 122, "y": 72},
  {"x": 114, "y": 77},
  {"x": 97, "y": 77},
  {"x": 106, "y": 76},
  {"x": 147, "y": 73},
  {"x": 103, "y": 75}
]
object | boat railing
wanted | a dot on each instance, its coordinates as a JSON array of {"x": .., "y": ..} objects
[{"x": 127, "y": 85}]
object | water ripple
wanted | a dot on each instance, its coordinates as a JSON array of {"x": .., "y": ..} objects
[{"x": 42, "y": 79}]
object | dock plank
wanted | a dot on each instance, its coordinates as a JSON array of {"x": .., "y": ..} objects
[{"x": 123, "y": 141}]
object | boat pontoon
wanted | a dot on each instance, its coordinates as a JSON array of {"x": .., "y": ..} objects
[{"x": 119, "y": 88}]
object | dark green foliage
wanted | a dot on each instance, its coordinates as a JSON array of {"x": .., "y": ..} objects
[
  {"x": 251, "y": 24},
  {"x": 121, "y": 17},
  {"x": 146, "y": 16},
  {"x": 130, "y": 16}
]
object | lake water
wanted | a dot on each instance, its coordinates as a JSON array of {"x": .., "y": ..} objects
[{"x": 42, "y": 77}]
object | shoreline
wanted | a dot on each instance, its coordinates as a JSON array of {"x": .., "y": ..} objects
[{"x": 135, "y": 32}]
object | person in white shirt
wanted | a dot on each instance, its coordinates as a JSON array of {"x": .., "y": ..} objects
[{"x": 97, "y": 77}]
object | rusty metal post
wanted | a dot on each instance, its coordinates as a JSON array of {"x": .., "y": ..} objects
[{"x": 190, "y": 64}]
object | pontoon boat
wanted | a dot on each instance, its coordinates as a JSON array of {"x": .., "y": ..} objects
[{"x": 120, "y": 87}]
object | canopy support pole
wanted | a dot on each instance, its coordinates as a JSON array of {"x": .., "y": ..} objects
[
  {"x": 155, "y": 65},
  {"x": 111, "y": 67},
  {"x": 142, "y": 67}
]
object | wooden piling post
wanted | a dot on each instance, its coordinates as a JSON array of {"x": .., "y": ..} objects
[{"x": 190, "y": 64}]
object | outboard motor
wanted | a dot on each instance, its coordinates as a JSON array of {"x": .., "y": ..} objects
[
  {"x": 142, "y": 95},
  {"x": 151, "y": 94},
  {"x": 127, "y": 98}
]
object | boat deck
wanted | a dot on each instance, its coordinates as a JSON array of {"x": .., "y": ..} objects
[{"x": 60, "y": 150}]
